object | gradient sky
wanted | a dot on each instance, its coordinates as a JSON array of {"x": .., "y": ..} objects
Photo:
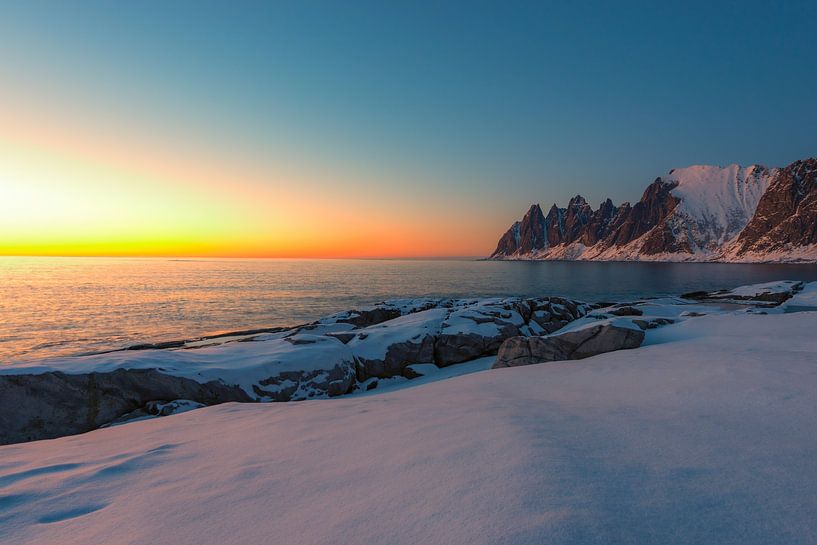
[{"x": 353, "y": 129}]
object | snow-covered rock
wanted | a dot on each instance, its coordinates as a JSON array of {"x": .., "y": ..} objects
[
  {"x": 702, "y": 435},
  {"x": 386, "y": 349},
  {"x": 325, "y": 359},
  {"x": 768, "y": 293}
]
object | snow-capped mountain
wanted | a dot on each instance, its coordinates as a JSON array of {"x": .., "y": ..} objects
[{"x": 698, "y": 213}]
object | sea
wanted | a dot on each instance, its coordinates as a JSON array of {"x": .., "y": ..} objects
[{"x": 69, "y": 306}]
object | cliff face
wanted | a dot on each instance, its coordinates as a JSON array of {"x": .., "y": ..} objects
[
  {"x": 699, "y": 213},
  {"x": 786, "y": 216}
]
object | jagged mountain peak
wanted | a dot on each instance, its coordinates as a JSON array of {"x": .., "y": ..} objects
[
  {"x": 577, "y": 201},
  {"x": 699, "y": 212},
  {"x": 533, "y": 211}
]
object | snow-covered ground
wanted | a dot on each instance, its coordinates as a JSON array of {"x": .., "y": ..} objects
[{"x": 703, "y": 435}]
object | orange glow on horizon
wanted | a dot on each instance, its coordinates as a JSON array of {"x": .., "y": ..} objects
[{"x": 65, "y": 192}]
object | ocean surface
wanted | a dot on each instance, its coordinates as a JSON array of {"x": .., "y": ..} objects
[{"x": 68, "y": 306}]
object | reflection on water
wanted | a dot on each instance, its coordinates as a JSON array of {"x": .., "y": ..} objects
[{"x": 58, "y": 306}]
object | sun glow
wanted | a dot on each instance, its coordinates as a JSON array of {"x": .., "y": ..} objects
[{"x": 64, "y": 196}]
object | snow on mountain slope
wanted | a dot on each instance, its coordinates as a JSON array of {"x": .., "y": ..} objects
[
  {"x": 697, "y": 213},
  {"x": 713, "y": 205},
  {"x": 716, "y": 203},
  {"x": 702, "y": 436}
]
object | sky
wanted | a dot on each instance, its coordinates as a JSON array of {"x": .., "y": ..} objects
[{"x": 373, "y": 129}]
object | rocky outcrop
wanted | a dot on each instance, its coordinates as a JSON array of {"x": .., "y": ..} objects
[
  {"x": 698, "y": 213},
  {"x": 326, "y": 358},
  {"x": 385, "y": 350},
  {"x": 572, "y": 345},
  {"x": 53, "y": 404},
  {"x": 330, "y": 357},
  {"x": 454, "y": 332},
  {"x": 770, "y": 294}
]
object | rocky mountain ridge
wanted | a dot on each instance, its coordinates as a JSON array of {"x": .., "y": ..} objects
[{"x": 698, "y": 213}]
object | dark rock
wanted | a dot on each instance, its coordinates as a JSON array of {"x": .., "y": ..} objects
[
  {"x": 786, "y": 215},
  {"x": 156, "y": 346},
  {"x": 763, "y": 298},
  {"x": 48, "y": 405},
  {"x": 525, "y": 236},
  {"x": 652, "y": 324},
  {"x": 627, "y": 311},
  {"x": 398, "y": 356},
  {"x": 459, "y": 347},
  {"x": 643, "y": 324},
  {"x": 694, "y": 295},
  {"x": 571, "y": 345},
  {"x": 343, "y": 336},
  {"x": 370, "y": 317}
]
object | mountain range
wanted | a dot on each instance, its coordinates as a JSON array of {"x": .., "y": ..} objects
[{"x": 698, "y": 213}]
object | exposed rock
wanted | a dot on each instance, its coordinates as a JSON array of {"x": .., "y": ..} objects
[
  {"x": 299, "y": 385},
  {"x": 418, "y": 370},
  {"x": 342, "y": 336},
  {"x": 384, "y": 350},
  {"x": 768, "y": 294},
  {"x": 509, "y": 242},
  {"x": 475, "y": 331},
  {"x": 525, "y": 236},
  {"x": 555, "y": 226},
  {"x": 627, "y": 311},
  {"x": 53, "y": 404},
  {"x": 694, "y": 295},
  {"x": 786, "y": 216},
  {"x": 377, "y": 315},
  {"x": 326, "y": 358},
  {"x": 652, "y": 324},
  {"x": 572, "y": 345},
  {"x": 598, "y": 226}
]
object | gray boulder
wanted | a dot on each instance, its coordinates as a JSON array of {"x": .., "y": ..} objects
[{"x": 572, "y": 345}]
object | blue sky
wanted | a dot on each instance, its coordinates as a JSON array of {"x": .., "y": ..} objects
[{"x": 487, "y": 105}]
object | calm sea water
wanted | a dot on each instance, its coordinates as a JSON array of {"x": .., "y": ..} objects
[{"x": 63, "y": 306}]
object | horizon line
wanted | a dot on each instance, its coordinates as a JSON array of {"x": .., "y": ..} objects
[{"x": 183, "y": 257}]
